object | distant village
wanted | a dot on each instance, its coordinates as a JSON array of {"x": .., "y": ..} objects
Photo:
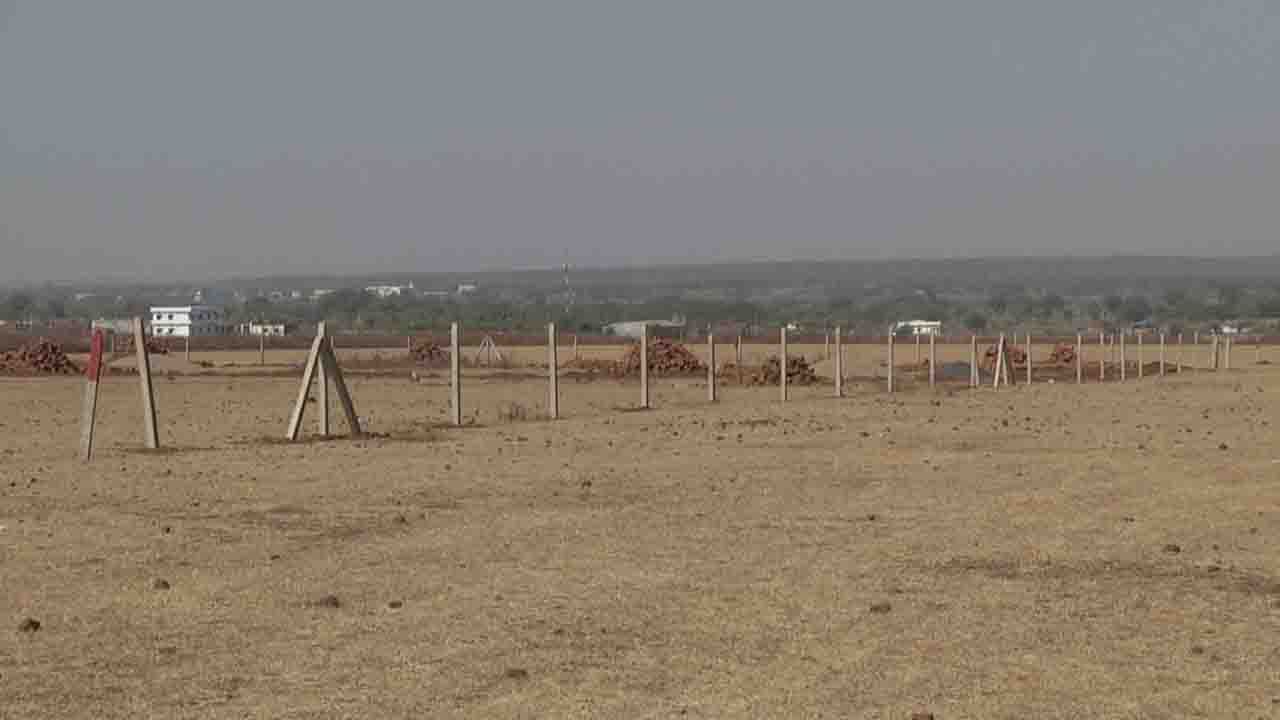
[{"x": 911, "y": 299}]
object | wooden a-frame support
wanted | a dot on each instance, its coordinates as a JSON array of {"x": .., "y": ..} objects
[
  {"x": 488, "y": 351},
  {"x": 324, "y": 363}
]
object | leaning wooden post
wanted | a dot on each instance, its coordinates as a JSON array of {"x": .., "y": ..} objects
[
  {"x": 1162, "y": 354},
  {"x": 782, "y": 364},
  {"x": 262, "y": 349},
  {"x": 151, "y": 433},
  {"x": 644, "y": 366},
  {"x": 455, "y": 374},
  {"x": 92, "y": 374},
  {"x": 186, "y": 348},
  {"x": 1079, "y": 358},
  {"x": 1227, "y": 353},
  {"x": 553, "y": 374},
  {"x": 1178, "y": 363},
  {"x": 332, "y": 372},
  {"x": 839, "y": 364},
  {"x": 308, "y": 377},
  {"x": 890, "y": 380},
  {"x": 575, "y": 346},
  {"x": 933, "y": 360},
  {"x": 917, "y": 349},
  {"x": 826, "y": 346}
]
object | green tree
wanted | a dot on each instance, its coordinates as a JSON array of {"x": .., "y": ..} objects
[
  {"x": 18, "y": 305},
  {"x": 975, "y": 321},
  {"x": 1134, "y": 309}
]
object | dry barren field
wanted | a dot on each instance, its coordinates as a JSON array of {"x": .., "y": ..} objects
[{"x": 1106, "y": 551}]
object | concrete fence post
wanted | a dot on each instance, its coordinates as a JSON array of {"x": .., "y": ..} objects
[
  {"x": 1028, "y": 358},
  {"x": 839, "y": 363},
  {"x": 933, "y": 361},
  {"x": 974, "y": 375},
  {"x": 711, "y": 366},
  {"x": 553, "y": 373},
  {"x": 644, "y": 367},
  {"x": 891, "y": 361},
  {"x": 455, "y": 374},
  {"x": 151, "y": 432},
  {"x": 782, "y": 370},
  {"x": 1079, "y": 359}
]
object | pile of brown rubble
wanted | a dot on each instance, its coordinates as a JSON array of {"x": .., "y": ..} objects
[
  {"x": 1064, "y": 353},
  {"x": 43, "y": 357},
  {"x": 665, "y": 358},
  {"x": 429, "y": 354},
  {"x": 799, "y": 372}
]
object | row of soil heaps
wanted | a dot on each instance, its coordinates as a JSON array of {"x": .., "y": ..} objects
[
  {"x": 799, "y": 372},
  {"x": 42, "y": 357}
]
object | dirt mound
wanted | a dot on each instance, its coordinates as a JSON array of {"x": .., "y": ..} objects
[
  {"x": 42, "y": 357},
  {"x": 1063, "y": 354},
  {"x": 665, "y": 358},
  {"x": 1013, "y": 354},
  {"x": 799, "y": 372},
  {"x": 155, "y": 345},
  {"x": 429, "y": 355}
]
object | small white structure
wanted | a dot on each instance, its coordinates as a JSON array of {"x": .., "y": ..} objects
[
  {"x": 918, "y": 327},
  {"x": 122, "y": 326},
  {"x": 634, "y": 328},
  {"x": 187, "y": 321},
  {"x": 467, "y": 288},
  {"x": 387, "y": 290},
  {"x": 263, "y": 328}
]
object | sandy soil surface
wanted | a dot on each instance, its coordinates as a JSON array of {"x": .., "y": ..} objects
[{"x": 1050, "y": 552}]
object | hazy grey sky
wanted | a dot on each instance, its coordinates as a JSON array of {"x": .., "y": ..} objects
[{"x": 188, "y": 138}]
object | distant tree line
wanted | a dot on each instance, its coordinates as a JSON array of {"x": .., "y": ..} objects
[{"x": 733, "y": 294}]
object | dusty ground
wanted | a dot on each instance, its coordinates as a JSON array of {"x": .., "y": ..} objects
[{"x": 1053, "y": 552}]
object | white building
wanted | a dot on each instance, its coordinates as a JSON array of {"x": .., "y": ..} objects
[
  {"x": 187, "y": 321},
  {"x": 386, "y": 290},
  {"x": 467, "y": 288},
  {"x": 918, "y": 327}
]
